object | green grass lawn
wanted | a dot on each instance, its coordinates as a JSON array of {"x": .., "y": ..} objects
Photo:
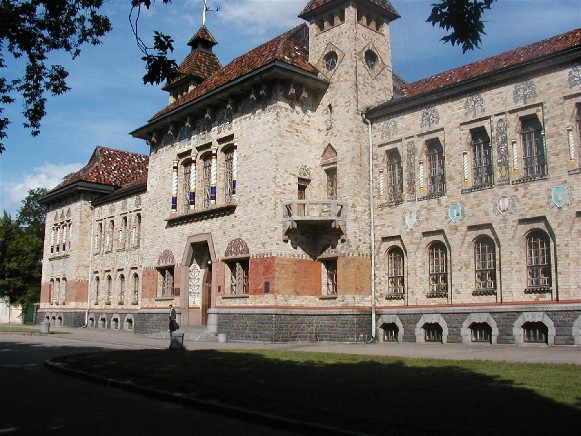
[
  {"x": 370, "y": 394},
  {"x": 24, "y": 330}
]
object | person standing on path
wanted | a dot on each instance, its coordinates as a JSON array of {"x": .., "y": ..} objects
[{"x": 172, "y": 319}]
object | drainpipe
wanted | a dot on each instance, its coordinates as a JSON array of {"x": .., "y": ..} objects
[
  {"x": 372, "y": 224},
  {"x": 90, "y": 264}
]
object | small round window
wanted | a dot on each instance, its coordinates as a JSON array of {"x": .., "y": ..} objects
[
  {"x": 330, "y": 60},
  {"x": 370, "y": 59}
]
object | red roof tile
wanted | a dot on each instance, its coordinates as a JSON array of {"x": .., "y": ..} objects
[
  {"x": 111, "y": 167},
  {"x": 203, "y": 34},
  {"x": 497, "y": 63},
  {"x": 200, "y": 64},
  {"x": 288, "y": 48},
  {"x": 315, "y": 4}
]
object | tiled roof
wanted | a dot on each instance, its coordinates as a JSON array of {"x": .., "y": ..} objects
[
  {"x": 497, "y": 63},
  {"x": 111, "y": 167},
  {"x": 315, "y": 4},
  {"x": 287, "y": 48},
  {"x": 203, "y": 33},
  {"x": 200, "y": 64}
]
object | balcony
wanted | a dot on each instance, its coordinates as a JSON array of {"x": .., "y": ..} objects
[{"x": 308, "y": 214}]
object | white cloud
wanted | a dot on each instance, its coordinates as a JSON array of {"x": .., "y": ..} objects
[{"x": 47, "y": 176}]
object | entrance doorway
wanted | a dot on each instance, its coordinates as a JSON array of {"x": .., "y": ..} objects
[{"x": 199, "y": 281}]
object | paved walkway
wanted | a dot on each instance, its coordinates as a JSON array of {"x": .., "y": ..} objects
[{"x": 532, "y": 353}]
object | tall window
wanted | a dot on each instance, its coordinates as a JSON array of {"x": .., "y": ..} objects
[
  {"x": 331, "y": 183},
  {"x": 485, "y": 265},
  {"x": 109, "y": 289},
  {"x": 578, "y": 124},
  {"x": 395, "y": 268},
  {"x": 229, "y": 175},
  {"x": 436, "y": 170},
  {"x": 135, "y": 298},
  {"x": 97, "y": 286},
  {"x": 438, "y": 269},
  {"x": 482, "y": 173},
  {"x": 166, "y": 281},
  {"x": 186, "y": 186},
  {"x": 136, "y": 233},
  {"x": 238, "y": 277},
  {"x": 538, "y": 260},
  {"x": 122, "y": 233},
  {"x": 534, "y": 158},
  {"x": 121, "y": 289},
  {"x": 330, "y": 276},
  {"x": 394, "y": 177},
  {"x": 98, "y": 238},
  {"x": 207, "y": 179}
]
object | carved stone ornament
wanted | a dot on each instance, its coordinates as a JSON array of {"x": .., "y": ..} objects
[
  {"x": 304, "y": 172},
  {"x": 473, "y": 105},
  {"x": 411, "y": 219},
  {"x": 389, "y": 128},
  {"x": 166, "y": 258},
  {"x": 237, "y": 248},
  {"x": 455, "y": 213},
  {"x": 560, "y": 197},
  {"x": 575, "y": 76},
  {"x": 524, "y": 92},
  {"x": 505, "y": 205},
  {"x": 430, "y": 117}
]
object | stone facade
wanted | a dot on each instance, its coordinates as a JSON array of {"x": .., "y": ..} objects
[{"x": 258, "y": 215}]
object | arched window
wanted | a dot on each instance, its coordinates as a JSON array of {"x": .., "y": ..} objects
[
  {"x": 63, "y": 292},
  {"x": 207, "y": 179},
  {"x": 538, "y": 261},
  {"x": 484, "y": 266},
  {"x": 438, "y": 270},
  {"x": 109, "y": 289},
  {"x": 121, "y": 289},
  {"x": 186, "y": 185},
  {"x": 136, "y": 236},
  {"x": 97, "y": 286},
  {"x": 229, "y": 175},
  {"x": 395, "y": 268},
  {"x": 122, "y": 233},
  {"x": 135, "y": 279}
]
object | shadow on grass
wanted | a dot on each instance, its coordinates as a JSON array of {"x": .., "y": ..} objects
[{"x": 369, "y": 395}]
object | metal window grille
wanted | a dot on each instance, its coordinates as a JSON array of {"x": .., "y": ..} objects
[
  {"x": 436, "y": 170},
  {"x": 438, "y": 269},
  {"x": 485, "y": 264},
  {"x": 538, "y": 260},
  {"x": 229, "y": 176},
  {"x": 239, "y": 277},
  {"x": 482, "y": 173},
  {"x": 167, "y": 282},
  {"x": 390, "y": 332},
  {"x": 394, "y": 177},
  {"x": 135, "y": 289},
  {"x": 535, "y": 332},
  {"x": 395, "y": 271},
  {"x": 481, "y": 332},
  {"x": 432, "y": 332},
  {"x": 534, "y": 158},
  {"x": 187, "y": 168},
  {"x": 207, "y": 181}
]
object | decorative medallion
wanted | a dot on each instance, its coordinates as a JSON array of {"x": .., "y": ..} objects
[
  {"x": 575, "y": 76},
  {"x": 505, "y": 205},
  {"x": 166, "y": 258},
  {"x": 455, "y": 212},
  {"x": 411, "y": 170},
  {"x": 411, "y": 219},
  {"x": 560, "y": 196},
  {"x": 236, "y": 248},
  {"x": 304, "y": 172},
  {"x": 502, "y": 149},
  {"x": 430, "y": 117},
  {"x": 473, "y": 105},
  {"x": 389, "y": 128},
  {"x": 524, "y": 91}
]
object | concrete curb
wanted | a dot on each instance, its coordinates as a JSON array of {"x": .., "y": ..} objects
[{"x": 205, "y": 405}]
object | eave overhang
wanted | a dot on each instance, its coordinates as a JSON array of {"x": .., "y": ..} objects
[
  {"x": 242, "y": 85},
  {"x": 470, "y": 85},
  {"x": 74, "y": 188}
]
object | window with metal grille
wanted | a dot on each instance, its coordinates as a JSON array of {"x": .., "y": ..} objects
[
  {"x": 536, "y": 332},
  {"x": 534, "y": 157},
  {"x": 438, "y": 269},
  {"x": 394, "y": 177},
  {"x": 97, "y": 284},
  {"x": 482, "y": 172},
  {"x": 109, "y": 289},
  {"x": 238, "y": 277},
  {"x": 186, "y": 185},
  {"x": 330, "y": 267},
  {"x": 207, "y": 180},
  {"x": 390, "y": 332},
  {"x": 436, "y": 168},
  {"x": 395, "y": 268},
  {"x": 135, "y": 289},
  {"x": 166, "y": 281},
  {"x": 538, "y": 260},
  {"x": 121, "y": 289},
  {"x": 432, "y": 332},
  {"x": 229, "y": 187},
  {"x": 480, "y": 332},
  {"x": 485, "y": 264}
]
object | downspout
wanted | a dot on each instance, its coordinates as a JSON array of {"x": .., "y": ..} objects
[
  {"x": 90, "y": 264},
  {"x": 371, "y": 224}
]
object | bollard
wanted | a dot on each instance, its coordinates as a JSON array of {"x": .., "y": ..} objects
[
  {"x": 176, "y": 341},
  {"x": 45, "y": 327}
]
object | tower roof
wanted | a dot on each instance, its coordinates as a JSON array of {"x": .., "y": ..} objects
[{"x": 316, "y": 6}]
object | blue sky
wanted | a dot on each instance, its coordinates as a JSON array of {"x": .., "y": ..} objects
[{"x": 108, "y": 98}]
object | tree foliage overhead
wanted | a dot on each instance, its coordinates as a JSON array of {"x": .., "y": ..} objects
[
  {"x": 21, "y": 244},
  {"x": 30, "y": 30},
  {"x": 463, "y": 18}
]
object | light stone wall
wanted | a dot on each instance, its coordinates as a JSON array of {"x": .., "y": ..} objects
[{"x": 531, "y": 207}]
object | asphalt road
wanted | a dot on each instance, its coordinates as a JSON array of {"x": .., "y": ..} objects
[{"x": 37, "y": 401}]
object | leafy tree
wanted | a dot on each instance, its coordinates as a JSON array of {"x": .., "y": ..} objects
[
  {"x": 21, "y": 244},
  {"x": 464, "y": 18},
  {"x": 32, "y": 29}
]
